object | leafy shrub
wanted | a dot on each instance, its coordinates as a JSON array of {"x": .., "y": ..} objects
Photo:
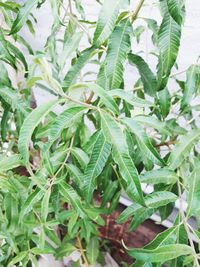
[{"x": 66, "y": 162}]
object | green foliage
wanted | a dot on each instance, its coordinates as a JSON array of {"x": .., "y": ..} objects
[
  {"x": 168, "y": 42},
  {"x": 147, "y": 77},
  {"x": 118, "y": 47},
  {"x": 65, "y": 163},
  {"x": 22, "y": 16}
]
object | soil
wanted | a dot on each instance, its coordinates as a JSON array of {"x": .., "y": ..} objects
[{"x": 114, "y": 233}]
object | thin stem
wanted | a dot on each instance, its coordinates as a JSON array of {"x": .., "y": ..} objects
[
  {"x": 177, "y": 73},
  {"x": 184, "y": 219},
  {"x": 64, "y": 162},
  {"x": 195, "y": 235},
  {"x": 29, "y": 169},
  {"x": 137, "y": 10},
  {"x": 168, "y": 143},
  {"x": 79, "y": 102},
  {"x": 70, "y": 7},
  {"x": 82, "y": 251},
  {"x": 193, "y": 119},
  {"x": 88, "y": 101},
  {"x": 71, "y": 15}
]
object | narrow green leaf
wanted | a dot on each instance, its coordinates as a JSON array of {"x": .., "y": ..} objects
[
  {"x": 193, "y": 195},
  {"x": 101, "y": 77},
  {"x": 153, "y": 201},
  {"x": 164, "y": 100},
  {"x": 30, "y": 123},
  {"x": 109, "y": 192},
  {"x": 191, "y": 84},
  {"x": 30, "y": 26},
  {"x": 4, "y": 78},
  {"x": 128, "y": 212},
  {"x": 168, "y": 41},
  {"x": 80, "y": 8},
  {"x": 139, "y": 217},
  {"x": 89, "y": 145},
  {"x": 65, "y": 250},
  {"x": 153, "y": 123},
  {"x": 8, "y": 6},
  {"x": 167, "y": 237},
  {"x": 161, "y": 254},
  {"x": 81, "y": 156},
  {"x": 105, "y": 97},
  {"x": 118, "y": 47},
  {"x": 147, "y": 76},
  {"x": 65, "y": 120},
  {"x": 25, "y": 43},
  {"x": 163, "y": 175},
  {"x": 153, "y": 26},
  {"x": 5, "y": 123},
  {"x": 93, "y": 250},
  {"x": 76, "y": 174},
  {"x": 99, "y": 156},
  {"x": 45, "y": 205},
  {"x": 182, "y": 149},
  {"x": 11, "y": 212},
  {"x": 160, "y": 198},
  {"x": 47, "y": 74},
  {"x": 114, "y": 134},
  {"x": 106, "y": 21},
  {"x": 12, "y": 97},
  {"x": 10, "y": 162},
  {"x": 23, "y": 15},
  {"x": 188, "y": 261},
  {"x": 69, "y": 47},
  {"x": 176, "y": 9},
  {"x": 18, "y": 55},
  {"x": 18, "y": 258},
  {"x": 74, "y": 71},
  {"x": 72, "y": 197},
  {"x": 6, "y": 56},
  {"x": 143, "y": 141},
  {"x": 130, "y": 98},
  {"x": 32, "y": 199}
]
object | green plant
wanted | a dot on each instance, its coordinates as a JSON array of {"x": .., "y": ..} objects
[{"x": 59, "y": 172}]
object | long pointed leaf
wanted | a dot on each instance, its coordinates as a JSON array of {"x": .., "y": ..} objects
[
  {"x": 99, "y": 156},
  {"x": 65, "y": 120},
  {"x": 118, "y": 47},
  {"x": 161, "y": 254},
  {"x": 182, "y": 149},
  {"x": 74, "y": 71},
  {"x": 130, "y": 98},
  {"x": 168, "y": 41},
  {"x": 176, "y": 9},
  {"x": 153, "y": 201},
  {"x": 163, "y": 175},
  {"x": 23, "y": 15},
  {"x": 191, "y": 84},
  {"x": 30, "y": 123},
  {"x": 128, "y": 171},
  {"x": 106, "y": 21},
  {"x": 143, "y": 141},
  {"x": 72, "y": 197},
  {"x": 147, "y": 76}
]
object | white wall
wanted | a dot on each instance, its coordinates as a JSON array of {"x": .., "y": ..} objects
[{"x": 190, "y": 42}]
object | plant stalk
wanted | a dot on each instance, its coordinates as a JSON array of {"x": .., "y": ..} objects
[
  {"x": 82, "y": 251},
  {"x": 137, "y": 10},
  {"x": 184, "y": 219}
]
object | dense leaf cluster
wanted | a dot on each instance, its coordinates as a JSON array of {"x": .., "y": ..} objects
[{"x": 66, "y": 162}]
